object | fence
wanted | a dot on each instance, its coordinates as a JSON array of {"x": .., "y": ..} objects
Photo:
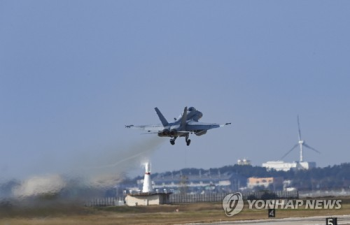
[
  {"x": 314, "y": 194},
  {"x": 278, "y": 194},
  {"x": 105, "y": 202},
  {"x": 193, "y": 198},
  {"x": 217, "y": 197}
]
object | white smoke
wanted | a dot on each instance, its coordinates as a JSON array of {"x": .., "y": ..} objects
[
  {"x": 112, "y": 165},
  {"x": 39, "y": 185},
  {"x": 105, "y": 180},
  {"x": 105, "y": 170}
]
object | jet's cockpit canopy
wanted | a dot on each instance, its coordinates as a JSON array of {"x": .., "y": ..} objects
[{"x": 191, "y": 109}]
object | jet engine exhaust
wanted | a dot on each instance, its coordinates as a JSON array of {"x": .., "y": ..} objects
[
  {"x": 166, "y": 132},
  {"x": 173, "y": 133}
]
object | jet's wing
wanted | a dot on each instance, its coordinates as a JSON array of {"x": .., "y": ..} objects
[
  {"x": 193, "y": 125},
  {"x": 148, "y": 128}
]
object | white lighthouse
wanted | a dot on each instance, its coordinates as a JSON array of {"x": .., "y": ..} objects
[
  {"x": 147, "y": 184},
  {"x": 147, "y": 196}
]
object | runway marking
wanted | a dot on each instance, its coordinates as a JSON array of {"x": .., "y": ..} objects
[{"x": 316, "y": 220}]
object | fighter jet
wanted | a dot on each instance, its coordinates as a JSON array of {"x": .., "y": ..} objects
[{"x": 186, "y": 124}]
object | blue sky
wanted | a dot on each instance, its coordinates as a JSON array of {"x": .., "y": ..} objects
[{"x": 73, "y": 73}]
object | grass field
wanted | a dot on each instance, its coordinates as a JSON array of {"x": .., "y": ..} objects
[{"x": 166, "y": 214}]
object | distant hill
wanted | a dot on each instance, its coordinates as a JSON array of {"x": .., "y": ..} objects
[{"x": 326, "y": 178}]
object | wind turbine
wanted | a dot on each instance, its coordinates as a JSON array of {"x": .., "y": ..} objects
[{"x": 301, "y": 143}]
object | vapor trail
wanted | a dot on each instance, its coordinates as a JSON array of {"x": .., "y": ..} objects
[{"x": 120, "y": 161}]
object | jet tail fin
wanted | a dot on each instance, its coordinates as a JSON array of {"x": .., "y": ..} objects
[
  {"x": 161, "y": 117},
  {"x": 184, "y": 118}
]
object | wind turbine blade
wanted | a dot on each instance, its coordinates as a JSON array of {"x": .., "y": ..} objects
[
  {"x": 309, "y": 147},
  {"x": 299, "y": 129},
  {"x": 296, "y": 145}
]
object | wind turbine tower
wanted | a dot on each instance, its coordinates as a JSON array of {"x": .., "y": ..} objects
[
  {"x": 301, "y": 164},
  {"x": 301, "y": 144}
]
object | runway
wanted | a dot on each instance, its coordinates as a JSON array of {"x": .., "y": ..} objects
[{"x": 317, "y": 220}]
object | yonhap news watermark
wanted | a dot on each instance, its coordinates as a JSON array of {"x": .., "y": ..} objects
[
  {"x": 294, "y": 204},
  {"x": 234, "y": 203}
]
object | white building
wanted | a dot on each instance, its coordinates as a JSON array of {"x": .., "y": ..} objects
[
  {"x": 146, "y": 199},
  {"x": 286, "y": 166},
  {"x": 243, "y": 162}
]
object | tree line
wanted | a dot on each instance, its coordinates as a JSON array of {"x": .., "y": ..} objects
[{"x": 320, "y": 178}]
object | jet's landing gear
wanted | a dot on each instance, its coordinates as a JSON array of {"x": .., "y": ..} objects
[
  {"x": 188, "y": 141},
  {"x": 172, "y": 141}
]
